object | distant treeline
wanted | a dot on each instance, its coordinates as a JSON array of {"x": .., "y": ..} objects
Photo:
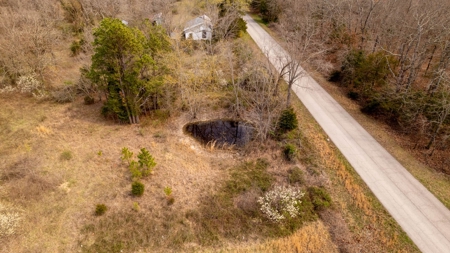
[{"x": 392, "y": 57}]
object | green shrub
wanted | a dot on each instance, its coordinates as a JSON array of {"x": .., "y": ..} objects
[
  {"x": 289, "y": 152},
  {"x": 296, "y": 176},
  {"x": 335, "y": 76},
  {"x": 136, "y": 207},
  {"x": 241, "y": 26},
  {"x": 113, "y": 108},
  {"x": 353, "y": 95},
  {"x": 100, "y": 209},
  {"x": 77, "y": 47},
  {"x": 66, "y": 155},
  {"x": 306, "y": 208},
  {"x": 137, "y": 188},
  {"x": 372, "y": 107},
  {"x": 366, "y": 71},
  {"x": 287, "y": 121},
  {"x": 249, "y": 175},
  {"x": 269, "y": 12},
  {"x": 162, "y": 115},
  {"x": 319, "y": 197}
]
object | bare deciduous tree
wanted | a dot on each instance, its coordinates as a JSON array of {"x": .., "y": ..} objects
[{"x": 258, "y": 90}]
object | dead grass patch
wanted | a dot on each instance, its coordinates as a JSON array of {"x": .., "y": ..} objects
[
  {"x": 312, "y": 237},
  {"x": 31, "y": 187},
  {"x": 25, "y": 182},
  {"x": 43, "y": 131},
  {"x": 128, "y": 231},
  {"x": 17, "y": 169}
]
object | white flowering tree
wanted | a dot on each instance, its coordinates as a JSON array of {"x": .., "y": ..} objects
[
  {"x": 9, "y": 220},
  {"x": 280, "y": 203}
]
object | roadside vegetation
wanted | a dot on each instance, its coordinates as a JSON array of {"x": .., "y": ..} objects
[
  {"x": 94, "y": 157},
  {"x": 394, "y": 75},
  {"x": 390, "y": 57}
]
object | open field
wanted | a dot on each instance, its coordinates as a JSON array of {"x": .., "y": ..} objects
[{"x": 59, "y": 161}]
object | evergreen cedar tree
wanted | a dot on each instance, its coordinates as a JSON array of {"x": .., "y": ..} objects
[{"x": 126, "y": 67}]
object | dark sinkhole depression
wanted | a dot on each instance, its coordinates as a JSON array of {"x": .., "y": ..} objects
[{"x": 221, "y": 132}]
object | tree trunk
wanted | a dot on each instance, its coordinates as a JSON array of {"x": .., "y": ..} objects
[
  {"x": 433, "y": 138},
  {"x": 430, "y": 59},
  {"x": 288, "y": 99}
]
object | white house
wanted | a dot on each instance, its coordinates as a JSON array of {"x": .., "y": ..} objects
[
  {"x": 158, "y": 19},
  {"x": 198, "y": 29}
]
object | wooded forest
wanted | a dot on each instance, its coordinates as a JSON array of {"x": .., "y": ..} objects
[{"x": 390, "y": 56}]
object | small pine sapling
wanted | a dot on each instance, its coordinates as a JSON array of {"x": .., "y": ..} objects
[
  {"x": 136, "y": 173},
  {"x": 168, "y": 191},
  {"x": 136, "y": 207},
  {"x": 287, "y": 121},
  {"x": 126, "y": 155},
  {"x": 146, "y": 162},
  {"x": 289, "y": 152}
]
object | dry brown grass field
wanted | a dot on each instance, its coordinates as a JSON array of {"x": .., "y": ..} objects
[{"x": 59, "y": 161}]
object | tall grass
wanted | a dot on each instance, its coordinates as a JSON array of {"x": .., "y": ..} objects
[
  {"x": 313, "y": 237},
  {"x": 354, "y": 198}
]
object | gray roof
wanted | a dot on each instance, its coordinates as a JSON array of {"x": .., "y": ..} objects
[
  {"x": 198, "y": 21},
  {"x": 158, "y": 18}
]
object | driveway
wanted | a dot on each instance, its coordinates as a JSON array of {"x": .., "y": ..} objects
[{"x": 421, "y": 215}]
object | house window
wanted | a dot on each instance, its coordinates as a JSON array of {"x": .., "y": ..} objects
[{"x": 204, "y": 34}]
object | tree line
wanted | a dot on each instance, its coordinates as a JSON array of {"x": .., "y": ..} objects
[
  {"x": 34, "y": 32},
  {"x": 391, "y": 56}
]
